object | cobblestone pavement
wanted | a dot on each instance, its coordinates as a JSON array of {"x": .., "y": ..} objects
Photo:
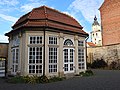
[{"x": 102, "y": 80}]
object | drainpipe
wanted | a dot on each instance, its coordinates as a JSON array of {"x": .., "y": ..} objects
[
  {"x": 86, "y": 49},
  {"x": 44, "y": 55},
  {"x": 45, "y": 13}
]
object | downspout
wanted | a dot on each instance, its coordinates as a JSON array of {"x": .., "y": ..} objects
[
  {"x": 45, "y": 12},
  {"x": 86, "y": 49},
  {"x": 44, "y": 55}
]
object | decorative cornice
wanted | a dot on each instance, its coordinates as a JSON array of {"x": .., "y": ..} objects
[
  {"x": 61, "y": 35},
  {"x": 75, "y": 37}
]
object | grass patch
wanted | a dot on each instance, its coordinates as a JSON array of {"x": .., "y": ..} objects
[{"x": 16, "y": 79}]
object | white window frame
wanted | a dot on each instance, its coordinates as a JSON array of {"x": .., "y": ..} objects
[
  {"x": 15, "y": 41},
  {"x": 68, "y": 42},
  {"x": 81, "y": 58},
  {"x": 80, "y": 43},
  {"x": 53, "y": 60},
  {"x": 35, "y": 39},
  {"x": 36, "y": 67},
  {"x": 35, "y": 64},
  {"x": 54, "y": 40},
  {"x": 15, "y": 60}
]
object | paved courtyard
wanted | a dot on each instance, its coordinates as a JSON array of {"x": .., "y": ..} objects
[{"x": 102, "y": 80}]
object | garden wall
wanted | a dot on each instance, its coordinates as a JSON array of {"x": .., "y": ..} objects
[{"x": 108, "y": 53}]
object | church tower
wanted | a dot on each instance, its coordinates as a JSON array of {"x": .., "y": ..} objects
[{"x": 96, "y": 35}]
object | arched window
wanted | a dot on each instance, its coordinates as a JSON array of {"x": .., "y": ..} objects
[{"x": 68, "y": 42}]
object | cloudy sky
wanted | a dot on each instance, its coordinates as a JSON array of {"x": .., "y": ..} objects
[{"x": 82, "y": 10}]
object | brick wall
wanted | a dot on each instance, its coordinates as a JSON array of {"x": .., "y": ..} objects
[
  {"x": 110, "y": 20},
  {"x": 3, "y": 50}
]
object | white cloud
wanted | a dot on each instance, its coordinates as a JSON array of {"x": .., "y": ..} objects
[
  {"x": 8, "y": 18},
  {"x": 69, "y": 13},
  {"x": 35, "y": 0},
  {"x": 29, "y": 6},
  {"x": 9, "y": 2},
  {"x": 88, "y": 8},
  {"x": 3, "y": 39}
]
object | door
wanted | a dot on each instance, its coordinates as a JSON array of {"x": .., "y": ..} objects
[
  {"x": 68, "y": 60},
  {"x": 15, "y": 61}
]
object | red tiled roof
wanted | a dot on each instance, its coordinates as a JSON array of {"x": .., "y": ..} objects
[
  {"x": 45, "y": 16},
  {"x": 91, "y": 44}
]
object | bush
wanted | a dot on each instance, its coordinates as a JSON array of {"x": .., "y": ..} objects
[
  {"x": 31, "y": 79},
  {"x": 86, "y": 73},
  {"x": 113, "y": 65},
  {"x": 99, "y": 64},
  {"x": 43, "y": 79},
  {"x": 89, "y": 65}
]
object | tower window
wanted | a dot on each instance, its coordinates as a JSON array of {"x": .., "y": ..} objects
[{"x": 96, "y": 34}]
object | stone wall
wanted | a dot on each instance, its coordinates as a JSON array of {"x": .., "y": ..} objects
[{"x": 108, "y": 53}]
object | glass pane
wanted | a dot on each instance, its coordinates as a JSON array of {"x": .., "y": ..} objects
[
  {"x": 65, "y": 55},
  {"x": 71, "y": 67},
  {"x": 52, "y": 40},
  {"x": 52, "y": 59},
  {"x": 71, "y": 55},
  {"x": 68, "y": 42},
  {"x": 65, "y": 67}
]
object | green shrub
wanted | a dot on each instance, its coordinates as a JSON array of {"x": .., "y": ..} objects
[
  {"x": 31, "y": 79},
  {"x": 86, "y": 73},
  {"x": 113, "y": 65},
  {"x": 43, "y": 79},
  {"x": 99, "y": 64},
  {"x": 89, "y": 65}
]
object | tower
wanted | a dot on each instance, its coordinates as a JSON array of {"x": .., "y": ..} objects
[{"x": 96, "y": 36}]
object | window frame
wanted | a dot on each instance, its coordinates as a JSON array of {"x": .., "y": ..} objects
[
  {"x": 34, "y": 39},
  {"x": 55, "y": 40},
  {"x": 53, "y": 60},
  {"x": 81, "y": 43},
  {"x": 68, "y": 42},
  {"x": 35, "y": 64},
  {"x": 81, "y": 58}
]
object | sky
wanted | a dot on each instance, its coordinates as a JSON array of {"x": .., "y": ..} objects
[{"x": 83, "y": 11}]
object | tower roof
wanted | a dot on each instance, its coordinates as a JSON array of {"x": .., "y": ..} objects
[{"x": 95, "y": 22}]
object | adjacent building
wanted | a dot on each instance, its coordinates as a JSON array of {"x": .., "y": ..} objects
[
  {"x": 3, "y": 58},
  {"x": 46, "y": 42},
  {"x": 110, "y": 20}
]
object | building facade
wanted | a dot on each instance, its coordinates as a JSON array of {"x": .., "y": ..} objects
[
  {"x": 110, "y": 20},
  {"x": 3, "y": 59},
  {"x": 46, "y": 42},
  {"x": 96, "y": 35}
]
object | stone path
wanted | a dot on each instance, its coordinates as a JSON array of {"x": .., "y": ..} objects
[{"x": 102, "y": 80}]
